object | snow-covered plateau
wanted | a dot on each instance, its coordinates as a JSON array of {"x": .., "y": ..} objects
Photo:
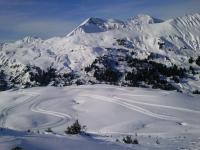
[
  {"x": 137, "y": 79},
  {"x": 157, "y": 119}
]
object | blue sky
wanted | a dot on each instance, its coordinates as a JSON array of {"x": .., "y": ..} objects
[{"x": 48, "y": 18}]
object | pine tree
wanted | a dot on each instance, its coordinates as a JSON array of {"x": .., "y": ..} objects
[
  {"x": 191, "y": 60},
  {"x": 75, "y": 128},
  {"x": 198, "y": 61}
]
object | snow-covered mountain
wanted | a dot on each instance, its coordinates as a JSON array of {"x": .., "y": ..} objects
[{"x": 97, "y": 43}]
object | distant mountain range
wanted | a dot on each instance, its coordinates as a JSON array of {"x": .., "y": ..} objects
[{"x": 141, "y": 51}]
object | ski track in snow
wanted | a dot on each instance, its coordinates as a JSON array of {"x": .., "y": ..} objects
[
  {"x": 34, "y": 107},
  {"x": 9, "y": 108},
  {"x": 131, "y": 104},
  {"x": 160, "y": 106},
  {"x": 64, "y": 118},
  {"x": 132, "y": 107}
]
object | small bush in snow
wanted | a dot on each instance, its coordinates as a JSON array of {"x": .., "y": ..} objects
[
  {"x": 196, "y": 92},
  {"x": 75, "y": 128},
  {"x": 157, "y": 141},
  {"x": 129, "y": 140},
  {"x": 135, "y": 141},
  {"x": 49, "y": 130}
]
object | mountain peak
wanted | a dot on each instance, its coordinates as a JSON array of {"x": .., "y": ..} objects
[
  {"x": 94, "y": 25},
  {"x": 144, "y": 19},
  {"x": 93, "y": 20},
  {"x": 90, "y": 25}
]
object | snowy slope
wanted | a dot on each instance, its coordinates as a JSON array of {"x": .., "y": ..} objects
[
  {"x": 109, "y": 112},
  {"x": 177, "y": 39},
  {"x": 143, "y": 31}
]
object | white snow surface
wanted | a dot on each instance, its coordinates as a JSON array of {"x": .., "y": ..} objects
[{"x": 109, "y": 112}]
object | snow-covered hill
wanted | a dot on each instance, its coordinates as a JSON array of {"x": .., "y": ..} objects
[
  {"x": 157, "y": 119},
  {"x": 26, "y": 62}
]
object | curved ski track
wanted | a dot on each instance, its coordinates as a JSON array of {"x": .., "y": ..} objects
[
  {"x": 64, "y": 118},
  {"x": 132, "y": 105},
  {"x": 34, "y": 108}
]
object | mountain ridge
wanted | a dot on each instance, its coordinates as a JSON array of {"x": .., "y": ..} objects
[{"x": 170, "y": 42}]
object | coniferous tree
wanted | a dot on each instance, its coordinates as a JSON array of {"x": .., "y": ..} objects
[
  {"x": 191, "y": 60},
  {"x": 198, "y": 61},
  {"x": 75, "y": 128}
]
